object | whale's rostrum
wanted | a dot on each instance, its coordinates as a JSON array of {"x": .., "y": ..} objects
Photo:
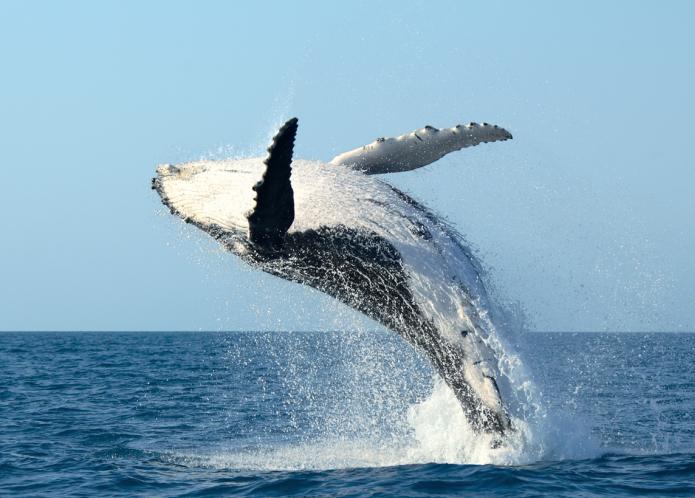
[{"x": 335, "y": 227}]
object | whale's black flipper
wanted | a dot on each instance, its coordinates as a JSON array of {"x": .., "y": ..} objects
[{"x": 274, "y": 211}]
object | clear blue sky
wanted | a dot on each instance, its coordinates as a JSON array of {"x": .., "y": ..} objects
[{"x": 586, "y": 218}]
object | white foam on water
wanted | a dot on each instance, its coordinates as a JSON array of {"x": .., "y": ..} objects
[{"x": 436, "y": 431}]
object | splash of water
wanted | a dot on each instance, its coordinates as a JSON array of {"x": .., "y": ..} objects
[{"x": 435, "y": 430}]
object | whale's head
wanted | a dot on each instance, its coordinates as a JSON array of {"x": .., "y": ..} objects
[
  {"x": 215, "y": 196},
  {"x": 236, "y": 198}
]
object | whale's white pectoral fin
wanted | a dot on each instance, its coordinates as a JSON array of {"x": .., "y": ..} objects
[{"x": 419, "y": 148}]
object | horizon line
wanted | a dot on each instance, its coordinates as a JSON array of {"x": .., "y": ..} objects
[{"x": 208, "y": 331}]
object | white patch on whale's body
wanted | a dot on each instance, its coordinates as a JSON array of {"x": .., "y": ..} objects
[{"x": 443, "y": 276}]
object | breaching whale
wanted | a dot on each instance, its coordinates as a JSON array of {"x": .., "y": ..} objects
[{"x": 349, "y": 234}]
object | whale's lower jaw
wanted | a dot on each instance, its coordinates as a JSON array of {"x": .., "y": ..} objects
[{"x": 365, "y": 272}]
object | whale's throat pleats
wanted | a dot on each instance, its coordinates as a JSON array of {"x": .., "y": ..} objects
[{"x": 273, "y": 213}]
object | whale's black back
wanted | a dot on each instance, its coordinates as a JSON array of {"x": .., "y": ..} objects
[{"x": 364, "y": 271}]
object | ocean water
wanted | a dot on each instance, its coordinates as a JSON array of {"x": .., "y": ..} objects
[{"x": 334, "y": 414}]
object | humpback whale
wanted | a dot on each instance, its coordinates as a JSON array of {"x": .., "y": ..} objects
[{"x": 339, "y": 229}]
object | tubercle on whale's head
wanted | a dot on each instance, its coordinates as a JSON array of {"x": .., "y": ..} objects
[{"x": 166, "y": 168}]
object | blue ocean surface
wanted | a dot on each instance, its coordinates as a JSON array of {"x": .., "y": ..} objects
[{"x": 333, "y": 414}]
